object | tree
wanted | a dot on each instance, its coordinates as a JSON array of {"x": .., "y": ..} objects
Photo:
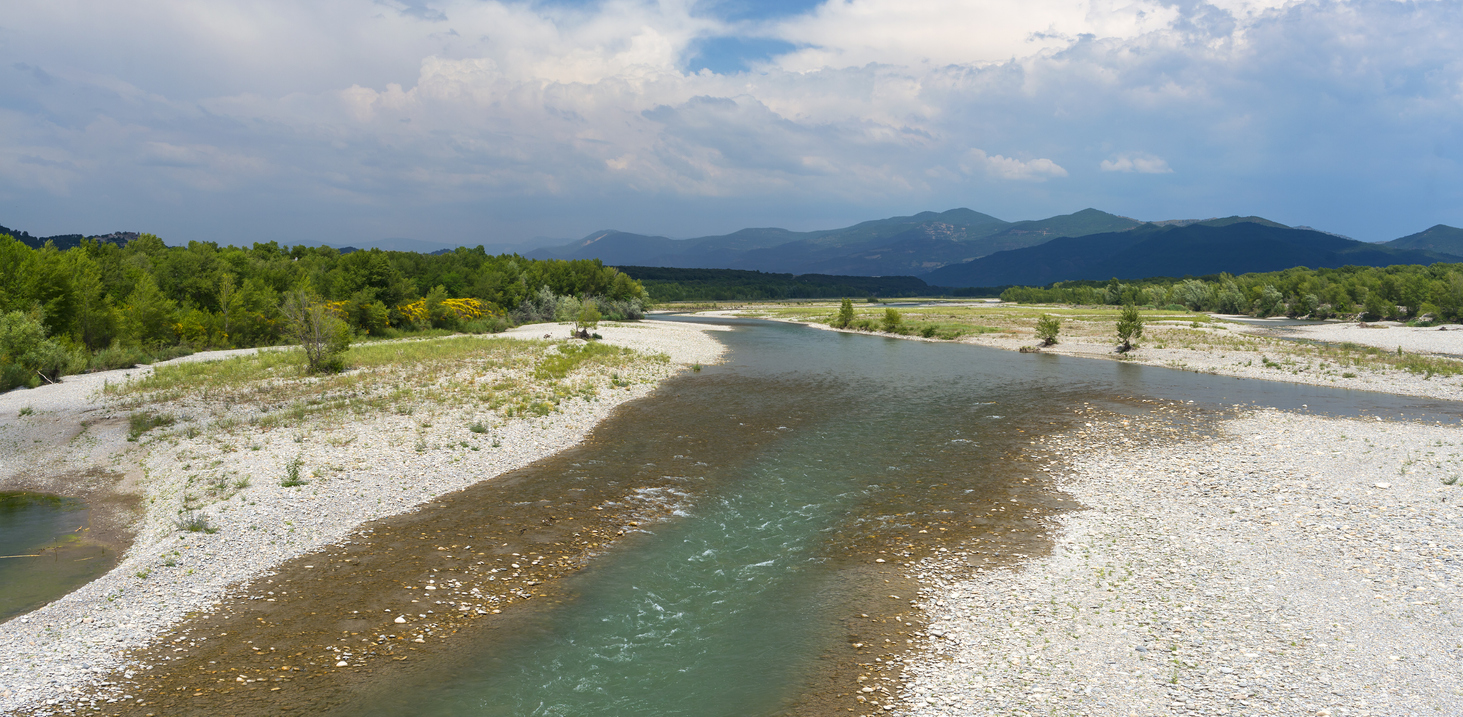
[
  {"x": 1130, "y": 328},
  {"x": 147, "y": 315},
  {"x": 845, "y": 315},
  {"x": 1047, "y": 328},
  {"x": 893, "y": 322},
  {"x": 315, "y": 327},
  {"x": 588, "y": 319}
]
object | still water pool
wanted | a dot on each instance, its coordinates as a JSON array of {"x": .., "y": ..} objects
[{"x": 42, "y": 553}]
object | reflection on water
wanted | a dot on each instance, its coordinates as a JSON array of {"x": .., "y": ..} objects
[
  {"x": 42, "y": 554},
  {"x": 806, "y": 449}
]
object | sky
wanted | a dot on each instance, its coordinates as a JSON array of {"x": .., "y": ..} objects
[{"x": 489, "y": 122}]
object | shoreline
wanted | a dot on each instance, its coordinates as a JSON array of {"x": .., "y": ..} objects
[
  {"x": 1237, "y": 363},
  {"x": 1294, "y": 565},
  {"x": 359, "y": 471}
]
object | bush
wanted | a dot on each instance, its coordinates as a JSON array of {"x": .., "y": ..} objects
[
  {"x": 1047, "y": 328},
  {"x": 27, "y": 355},
  {"x": 1130, "y": 328},
  {"x": 316, "y": 328},
  {"x": 893, "y": 322}
]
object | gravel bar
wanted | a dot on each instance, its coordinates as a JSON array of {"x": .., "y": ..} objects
[
  {"x": 1293, "y": 565},
  {"x": 369, "y": 469}
]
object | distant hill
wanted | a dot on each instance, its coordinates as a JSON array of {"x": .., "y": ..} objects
[
  {"x": 897, "y": 246},
  {"x": 68, "y": 241},
  {"x": 1440, "y": 238},
  {"x": 671, "y": 284},
  {"x": 1196, "y": 249}
]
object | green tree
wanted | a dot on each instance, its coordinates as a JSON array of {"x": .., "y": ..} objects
[
  {"x": 893, "y": 322},
  {"x": 1047, "y": 328},
  {"x": 1130, "y": 328},
  {"x": 316, "y": 328},
  {"x": 588, "y": 319},
  {"x": 147, "y": 315},
  {"x": 845, "y": 315}
]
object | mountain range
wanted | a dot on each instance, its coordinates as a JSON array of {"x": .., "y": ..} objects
[{"x": 963, "y": 248}]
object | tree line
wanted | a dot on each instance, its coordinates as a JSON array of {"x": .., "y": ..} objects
[
  {"x": 1413, "y": 293},
  {"x": 99, "y": 305}
]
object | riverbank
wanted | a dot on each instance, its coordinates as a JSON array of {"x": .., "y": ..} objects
[
  {"x": 1292, "y": 564},
  {"x": 1333, "y": 354},
  {"x": 235, "y": 486}
]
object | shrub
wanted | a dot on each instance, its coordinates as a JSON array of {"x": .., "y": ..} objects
[
  {"x": 893, "y": 322},
  {"x": 194, "y": 522},
  {"x": 1130, "y": 328},
  {"x": 1047, "y": 328},
  {"x": 316, "y": 328},
  {"x": 928, "y": 331}
]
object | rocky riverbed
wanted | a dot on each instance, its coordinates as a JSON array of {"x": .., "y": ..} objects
[
  {"x": 350, "y": 472},
  {"x": 1284, "y": 564}
]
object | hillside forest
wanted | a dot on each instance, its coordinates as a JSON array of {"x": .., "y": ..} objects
[{"x": 99, "y": 305}]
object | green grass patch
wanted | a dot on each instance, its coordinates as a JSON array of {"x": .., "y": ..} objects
[{"x": 144, "y": 421}]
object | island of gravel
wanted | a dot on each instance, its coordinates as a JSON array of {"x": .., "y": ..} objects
[{"x": 225, "y": 489}]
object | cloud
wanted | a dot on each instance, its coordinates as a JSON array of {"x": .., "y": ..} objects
[
  {"x": 1140, "y": 163},
  {"x": 1037, "y": 170},
  {"x": 550, "y": 118}
]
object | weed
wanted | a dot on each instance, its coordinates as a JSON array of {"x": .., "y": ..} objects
[
  {"x": 696, "y": 367},
  {"x": 1348, "y": 374},
  {"x": 478, "y": 427},
  {"x": 241, "y": 483},
  {"x": 26, "y": 411},
  {"x": 144, "y": 421},
  {"x": 292, "y": 473},
  {"x": 143, "y": 574},
  {"x": 194, "y": 522}
]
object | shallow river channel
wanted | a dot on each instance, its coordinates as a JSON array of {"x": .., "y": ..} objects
[{"x": 763, "y": 491}]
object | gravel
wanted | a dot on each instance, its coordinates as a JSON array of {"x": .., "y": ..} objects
[
  {"x": 1293, "y": 565},
  {"x": 357, "y": 471}
]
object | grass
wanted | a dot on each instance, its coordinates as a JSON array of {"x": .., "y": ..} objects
[
  {"x": 510, "y": 376},
  {"x": 26, "y": 411},
  {"x": 194, "y": 522},
  {"x": 143, "y": 421}
]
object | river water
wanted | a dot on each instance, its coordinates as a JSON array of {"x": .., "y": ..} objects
[
  {"x": 42, "y": 553},
  {"x": 786, "y": 469}
]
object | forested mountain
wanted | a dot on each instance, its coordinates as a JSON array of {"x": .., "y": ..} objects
[
  {"x": 1192, "y": 249},
  {"x": 885, "y": 247},
  {"x": 68, "y": 241},
  {"x": 671, "y": 284},
  {"x": 1440, "y": 238}
]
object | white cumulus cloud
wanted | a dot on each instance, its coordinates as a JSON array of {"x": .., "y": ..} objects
[
  {"x": 995, "y": 165},
  {"x": 1140, "y": 163}
]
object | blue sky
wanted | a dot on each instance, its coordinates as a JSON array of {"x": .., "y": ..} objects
[{"x": 496, "y": 122}]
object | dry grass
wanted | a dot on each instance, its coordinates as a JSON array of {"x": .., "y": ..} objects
[{"x": 509, "y": 376}]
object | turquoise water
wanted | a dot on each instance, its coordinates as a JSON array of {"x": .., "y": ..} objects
[
  {"x": 804, "y": 449},
  {"x": 43, "y": 554}
]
